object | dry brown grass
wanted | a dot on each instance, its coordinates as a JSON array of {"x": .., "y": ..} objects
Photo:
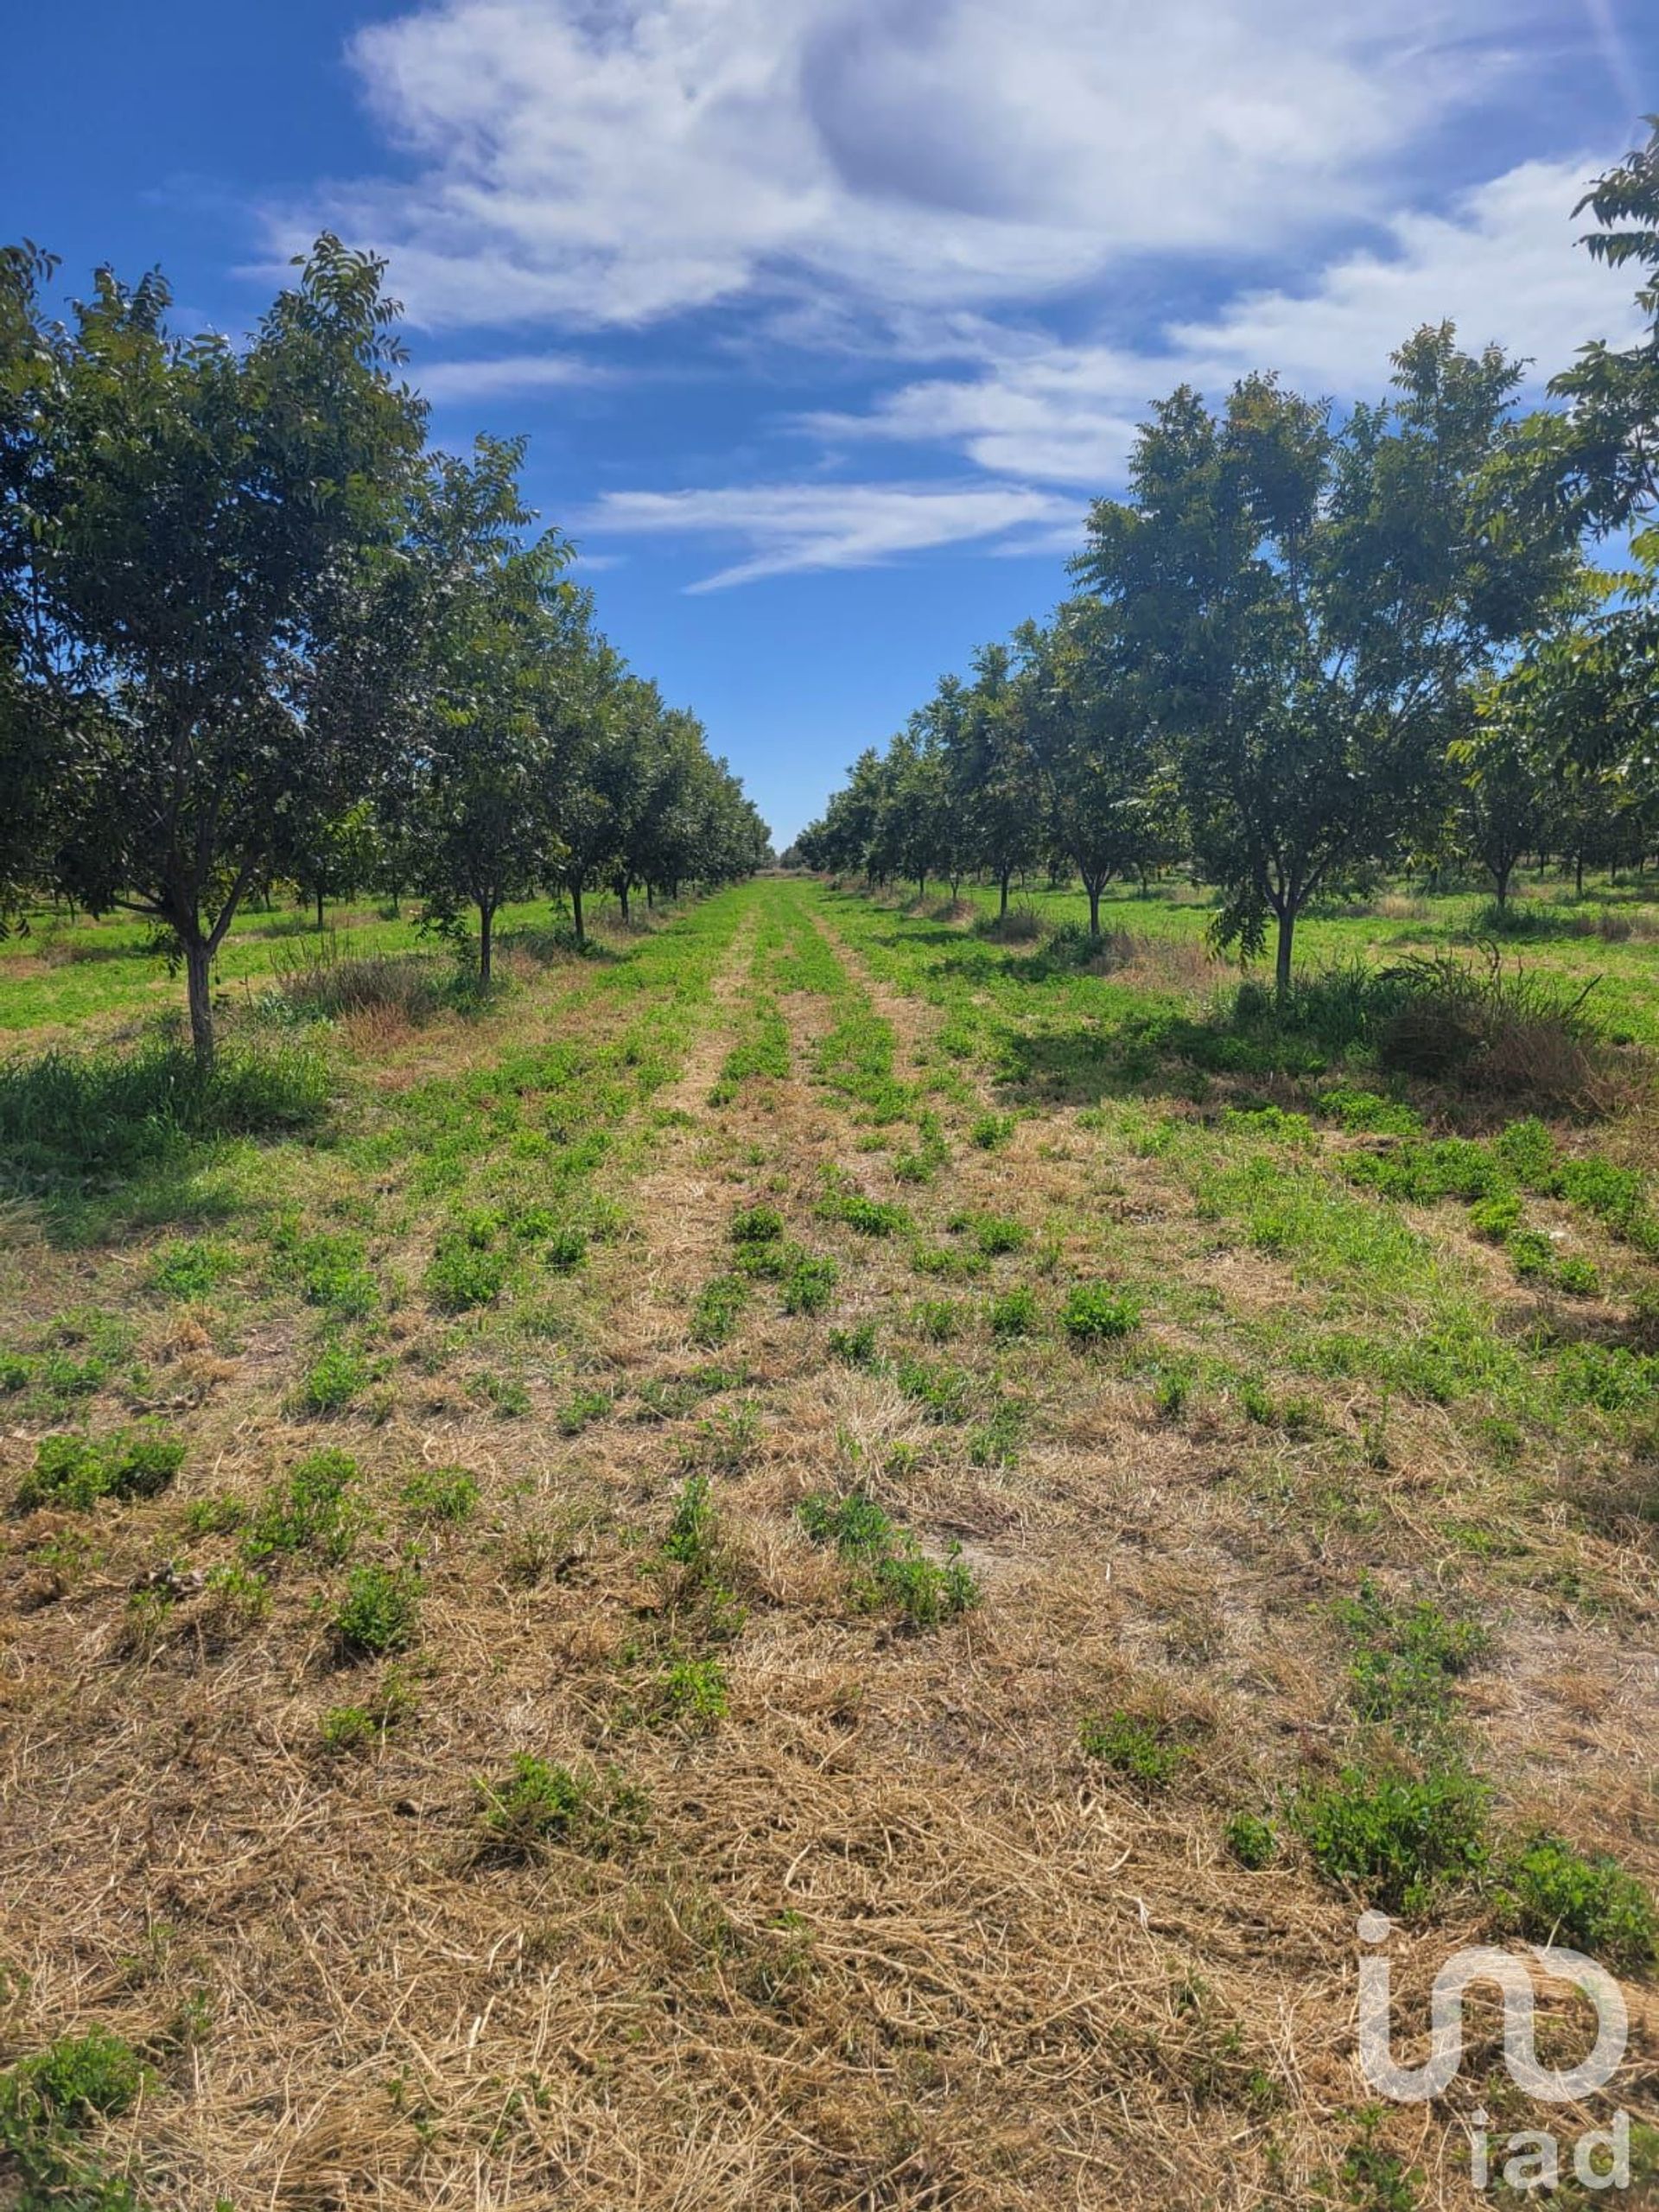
[{"x": 889, "y": 1939}]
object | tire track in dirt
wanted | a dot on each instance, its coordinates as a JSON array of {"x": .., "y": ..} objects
[
  {"x": 914, "y": 1026},
  {"x": 674, "y": 1202}
]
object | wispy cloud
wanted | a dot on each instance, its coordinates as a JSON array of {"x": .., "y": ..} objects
[
  {"x": 786, "y": 527},
  {"x": 451, "y": 383},
  {"x": 1502, "y": 263}
]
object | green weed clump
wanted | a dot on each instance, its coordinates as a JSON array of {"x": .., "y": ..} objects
[
  {"x": 313, "y": 1510},
  {"x": 808, "y": 1283},
  {"x": 718, "y": 1310},
  {"x": 463, "y": 1275},
  {"x": 888, "y": 1566},
  {"x": 329, "y": 1270},
  {"x": 1367, "y": 1110},
  {"x": 942, "y": 1390},
  {"x": 1396, "y": 1840},
  {"x": 190, "y": 1267},
  {"x": 1251, "y": 1841},
  {"x": 759, "y": 1224},
  {"x": 538, "y": 1804},
  {"x": 441, "y": 1494},
  {"x": 856, "y": 1345},
  {"x": 693, "y": 1694},
  {"x": 865, "y": 1216},
  {"x": 991, "y": 1131},
  {"x": 938, "y": 1320},
  {"x": 1496, "y": 1218},
  {"x": 77, "y": 1471},
  {"x": 1094, "y": 1314},
  {"x": 726, "y": 1440},
  {"x": 336, "y": 1375},
  {"x": 47, "y": 2103},
  {"x": 1552, "y": 1894},
  {"x": 994, "y": 1235},
  {"x": 346, "y": 1729},
  {"x": 1144, "y": 1750},
  {"x": 1015, "y": 1311},
  {"x": 693, "y": 1534},
  {"x": 379, "y": 1613},
  {"x": 1405, "y": 1659}
]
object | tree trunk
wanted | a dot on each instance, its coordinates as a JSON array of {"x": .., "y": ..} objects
[
  {"x": 1281, "y": 964},
  {"x": 1093, "y": 890},
  {"x": 921, "y": 885},
  {"x": 1500, "y": 878},
  {"x": 1002, "y": 899},
  {"x": 576, "y": 913},
  {"x": 198, "y": 967},
  {"x": 622, "y": 899},
  {"x": 485, "y": 942},
  {"x": 651, "y": 898},
  {"x": 1577, "y": 875},
  {"x": 319, "y": 909}
]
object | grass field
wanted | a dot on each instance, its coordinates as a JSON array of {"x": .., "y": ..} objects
[{"x": 813, "y": 1560}]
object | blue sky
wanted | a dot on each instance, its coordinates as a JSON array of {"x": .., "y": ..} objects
[{"x": 827, "y": 317}]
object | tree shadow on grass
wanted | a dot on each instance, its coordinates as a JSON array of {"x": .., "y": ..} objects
[
  {"x": 193, "y": 1189},
  {"x": 95, "y": 1145}
]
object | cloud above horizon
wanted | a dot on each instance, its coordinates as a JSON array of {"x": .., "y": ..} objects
[
  {"x": 1499, "y": 263},
  {"x": 790, "y": 527},
  {"x": 609, "y": 164},
  {"x": 1020, "y": 230}
]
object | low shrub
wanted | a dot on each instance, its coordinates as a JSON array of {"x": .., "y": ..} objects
[{"x": 322, "y": 981}]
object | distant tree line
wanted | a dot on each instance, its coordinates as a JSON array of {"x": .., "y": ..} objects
[
  {"x": 254, "y": 629},
  {"x": 1306, "y": 650}
]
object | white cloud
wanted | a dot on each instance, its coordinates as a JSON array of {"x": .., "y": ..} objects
[
  {"x": 610, "y": 163},
  {"x": 787, "y": 527},
  {"x": 447, "y": 383},
  {"x": 1503, "y": 264}
]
